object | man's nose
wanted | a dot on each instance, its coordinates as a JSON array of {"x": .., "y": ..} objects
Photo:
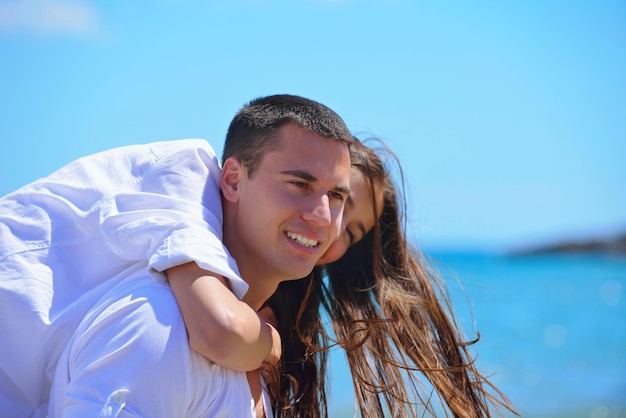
[{"x": 318, "y": 211}]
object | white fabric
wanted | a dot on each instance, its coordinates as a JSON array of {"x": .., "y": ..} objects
[
  {"x": 129, "y": 357},
  {"x": 67, "y": 239}
]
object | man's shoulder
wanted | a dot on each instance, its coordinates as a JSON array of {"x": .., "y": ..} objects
[{"x": 136, "y": 300}]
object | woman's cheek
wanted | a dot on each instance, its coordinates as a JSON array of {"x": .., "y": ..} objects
[{"x": 334, "y": 252}]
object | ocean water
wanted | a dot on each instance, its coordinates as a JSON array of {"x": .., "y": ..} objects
[{"x": 552, "y": 327}]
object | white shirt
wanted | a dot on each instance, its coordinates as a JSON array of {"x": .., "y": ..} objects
[
  {"x": 67, "y": 239},
  {"x": 130, "y": 357}
]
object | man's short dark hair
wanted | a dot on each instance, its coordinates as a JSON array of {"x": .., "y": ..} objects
[{"x": 252, "y": 131}]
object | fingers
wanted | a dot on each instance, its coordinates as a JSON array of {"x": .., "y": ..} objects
[{"x": 268, "y": 315}]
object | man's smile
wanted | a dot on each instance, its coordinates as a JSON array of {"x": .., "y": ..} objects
[{"x": 307, "y": 242}]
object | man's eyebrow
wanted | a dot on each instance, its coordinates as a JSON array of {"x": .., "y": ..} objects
[
  {"x": 301, "y": 174},
  {"x": 304, "y": 175}
]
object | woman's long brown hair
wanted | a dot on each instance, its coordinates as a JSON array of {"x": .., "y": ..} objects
[{"x": 391, "y": 314}]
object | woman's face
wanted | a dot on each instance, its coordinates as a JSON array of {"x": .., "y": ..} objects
[{"x": 358, "y": 216}]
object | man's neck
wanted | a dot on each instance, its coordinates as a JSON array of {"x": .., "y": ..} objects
[{"x": 256, "y": 296}]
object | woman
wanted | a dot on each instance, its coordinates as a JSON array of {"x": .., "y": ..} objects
[{"x": 389, "y": 312}]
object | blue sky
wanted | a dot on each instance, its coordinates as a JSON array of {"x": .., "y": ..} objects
[{"x": 509, "y": 117}]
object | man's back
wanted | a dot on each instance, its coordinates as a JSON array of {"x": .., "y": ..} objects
[{"x": 134, "y": 341}]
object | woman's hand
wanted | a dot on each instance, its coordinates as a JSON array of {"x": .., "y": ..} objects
[
  {"x": 270, "y": 370},
  {"x": 267, "y": 314}
]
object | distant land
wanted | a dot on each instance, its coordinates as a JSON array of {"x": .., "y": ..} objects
[{"x": 614, "y": 245}]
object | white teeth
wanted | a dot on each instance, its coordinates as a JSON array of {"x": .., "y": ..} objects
[{"x": 302, "y": 240}]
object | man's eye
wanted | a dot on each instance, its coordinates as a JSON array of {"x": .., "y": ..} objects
[
  {"x": 335, "y": 195},
  {"x": 299, "y": 184}
]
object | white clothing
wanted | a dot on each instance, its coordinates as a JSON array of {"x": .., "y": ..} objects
[
  {"x": 67, "y": 239},
  {"x": 133, "y": 345}
]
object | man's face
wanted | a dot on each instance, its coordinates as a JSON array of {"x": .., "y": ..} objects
[{"x": 290, "y": 211}]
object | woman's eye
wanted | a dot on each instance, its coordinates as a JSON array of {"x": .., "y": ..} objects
[{"x": 350, "y": 235}]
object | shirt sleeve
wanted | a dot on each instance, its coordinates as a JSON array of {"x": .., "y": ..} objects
[{"x": 173, "y": 213}]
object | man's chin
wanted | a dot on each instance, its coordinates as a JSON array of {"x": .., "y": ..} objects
[{"x": 300, "y": 273}]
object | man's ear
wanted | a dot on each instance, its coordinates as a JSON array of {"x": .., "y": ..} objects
[{"x": 233, "y": 172}]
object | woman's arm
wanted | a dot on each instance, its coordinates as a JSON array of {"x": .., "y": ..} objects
[{"x": 221, "y": 327}]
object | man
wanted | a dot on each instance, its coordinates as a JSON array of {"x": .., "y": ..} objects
[{"x": 101, "y": 303}]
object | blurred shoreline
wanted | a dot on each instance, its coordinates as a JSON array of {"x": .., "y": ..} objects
[{"x": 614, "y": 245}]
